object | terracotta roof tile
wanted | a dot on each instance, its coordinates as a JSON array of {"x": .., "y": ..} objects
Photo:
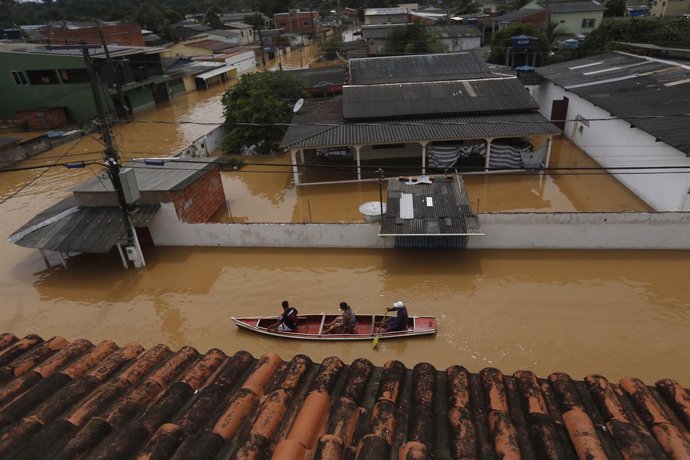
[{"x": 75, "y": 400}]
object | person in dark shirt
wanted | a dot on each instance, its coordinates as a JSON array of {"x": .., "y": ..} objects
[
  {"x": 399, "y": 323},
  {"x": 346, "y": 323},
  {"x": 287, "y": 321}
]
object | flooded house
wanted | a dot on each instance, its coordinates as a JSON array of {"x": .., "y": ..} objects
[
  {"x": 41, "y": 77},
  {"x": 417, "y": 115},
  {"x": 629, "y": 113}
]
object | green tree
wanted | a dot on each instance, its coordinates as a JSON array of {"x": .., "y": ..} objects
[
  {"x": 257, "y": 109},
  {"x": 331, "y": 46},
  {"x": 212, "y": 18},
  {"x": 468, "y": 7},
  {"x": 671, "y": 32},
  {"x": 615, "y": 8},
  {"x": 413, "y": 39},
  {"x": 501, "y": 45},
  {"x": 255, "y": 20}
]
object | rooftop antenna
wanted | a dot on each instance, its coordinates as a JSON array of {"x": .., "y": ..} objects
[{"x": 298, "y": 105}]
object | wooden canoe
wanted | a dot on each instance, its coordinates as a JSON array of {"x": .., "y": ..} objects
[{"x": 310, "y": 327}]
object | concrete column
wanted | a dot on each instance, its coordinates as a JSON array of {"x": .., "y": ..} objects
[
  {"x": 488, "y": 153},
  {"x": 295, "y": 172},
  {"x": 424, "y": 144},
  {"x": 359, "y": 166},
  {"x": 549, "y": 142}
]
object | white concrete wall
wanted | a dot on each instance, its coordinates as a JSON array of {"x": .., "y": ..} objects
[
  {"x": 244, "y": 62},
  {"x": 167, "y": 230},
  {"x": 461, "y": 44},
  {"x": 502, "y": 231},
  {"x": 583, "y": 231},
  {"x": 613, "y": 143},
  {"x": 205, "y": 145}
]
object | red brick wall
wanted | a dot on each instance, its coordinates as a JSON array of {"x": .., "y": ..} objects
[
  {"x": 303, "y": 22},
  {"x": 197, "y": 202},
  {"x": 125, "y": 34},
  {"x": 48, "y": 118}
]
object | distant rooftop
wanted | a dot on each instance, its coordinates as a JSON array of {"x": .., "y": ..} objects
[
  {"x": 75, "y": 50},
  {"x": 384, "y": 11},
  {"x": 63, "y": 399},
  {"x": 571, "y": 6},
  {"x": 418, "y": 68}
]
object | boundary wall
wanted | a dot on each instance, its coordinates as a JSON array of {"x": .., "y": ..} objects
[{"x": 501, "y": 231}]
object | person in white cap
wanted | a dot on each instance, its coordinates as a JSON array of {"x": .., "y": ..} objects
[{"x": 399, "y": 323}]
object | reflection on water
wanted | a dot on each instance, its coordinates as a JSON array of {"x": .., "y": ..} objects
[{"x": 618, "y": 313}]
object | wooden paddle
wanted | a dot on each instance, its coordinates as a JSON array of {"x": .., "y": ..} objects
[{"x": 376, "y": 338}]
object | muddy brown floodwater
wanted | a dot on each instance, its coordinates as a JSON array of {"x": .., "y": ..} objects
[{"x": 613, "y": 312}]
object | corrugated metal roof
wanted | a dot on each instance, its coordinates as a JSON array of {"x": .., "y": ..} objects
[
  {"x": 333, "y": 132},
  {"x": 571, "y": 6},
  {"x": 438, "y": 97},
  {"x": 66, "y": 227},
  {"x": 453, "y": 31},
  {"x": 384, "y": 11},
  {"x": 379, "y": 31},
  {"x": 418, "y": 68},
  {"x": 651, "y": 94},
  {"x": 83, "y": 400},
  {"x": 320, "y": 76},
  {"x": 438, "y": 208}
]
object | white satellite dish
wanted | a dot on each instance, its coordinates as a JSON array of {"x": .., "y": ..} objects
[{"x": 298, "y": 105}]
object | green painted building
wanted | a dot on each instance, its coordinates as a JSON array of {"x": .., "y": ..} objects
[{"x": 43, "y": 76}]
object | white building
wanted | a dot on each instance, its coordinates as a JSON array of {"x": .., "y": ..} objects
[{"x": 629, "y": 113}]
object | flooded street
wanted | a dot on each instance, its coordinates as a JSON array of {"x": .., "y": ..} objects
[{"x": 617, "y": 313}]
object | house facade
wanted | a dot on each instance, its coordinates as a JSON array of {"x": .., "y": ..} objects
[
  {"x": 396, "y": 15},
  {"x": 42, "y": 76},
  {"x": 626, "y": 112},
  {"x": 571, "y": 16},
  {"x": 298, "y": 21},
  {"x": 670, "y": 7},
  {"x": 415, "y": 114}
]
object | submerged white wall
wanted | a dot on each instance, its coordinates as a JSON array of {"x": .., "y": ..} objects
[
  {"x": 502, "y": 231},
  {"x": 614, "y": 143}
]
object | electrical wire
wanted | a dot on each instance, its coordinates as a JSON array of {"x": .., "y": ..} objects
[{"x": 38, "y": 176}]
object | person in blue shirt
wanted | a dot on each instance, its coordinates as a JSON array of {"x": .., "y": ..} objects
[
  {"x": 399, "y": 323},
  {"x": 287, "y": 322}
]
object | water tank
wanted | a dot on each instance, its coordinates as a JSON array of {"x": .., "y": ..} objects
[{"x": 520, "y": 42}]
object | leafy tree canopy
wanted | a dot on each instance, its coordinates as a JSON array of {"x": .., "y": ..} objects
[
  {"x": 615, "y": 8},
  {"x": 413, "y": 39},
  {"x": 501, "y": 44},
  {"x": 212, "y": 18},
  {"x": 331, "y": 46},
  {"x": 670, "y": 32},
  {"x": 264, "y": 100}
]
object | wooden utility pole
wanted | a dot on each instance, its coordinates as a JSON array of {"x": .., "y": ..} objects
[{"x": 112, "y": 161}]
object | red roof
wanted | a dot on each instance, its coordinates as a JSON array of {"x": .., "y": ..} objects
[{"x": 71, "y": 400}]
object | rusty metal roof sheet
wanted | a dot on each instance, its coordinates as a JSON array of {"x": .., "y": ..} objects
[
  {"x": 68, "y": 227},
  {"x": 79, "y": 400},
  {"x": 437, "y": 208}
]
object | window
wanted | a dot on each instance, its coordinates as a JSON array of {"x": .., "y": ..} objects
[
  {"x": 72, "y": 76},
  {"x": 588, "y": 23},
  {"x": 42, "y": 77},
  {"x": 19, "y": 78}
]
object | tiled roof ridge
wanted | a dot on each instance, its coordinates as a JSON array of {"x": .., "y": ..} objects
[{"x": 71, "y": 400}]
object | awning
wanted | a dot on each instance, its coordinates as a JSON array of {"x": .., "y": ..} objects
[
  {"x": 67, "y": 227},
  {"x": 214, "y": 72}
]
